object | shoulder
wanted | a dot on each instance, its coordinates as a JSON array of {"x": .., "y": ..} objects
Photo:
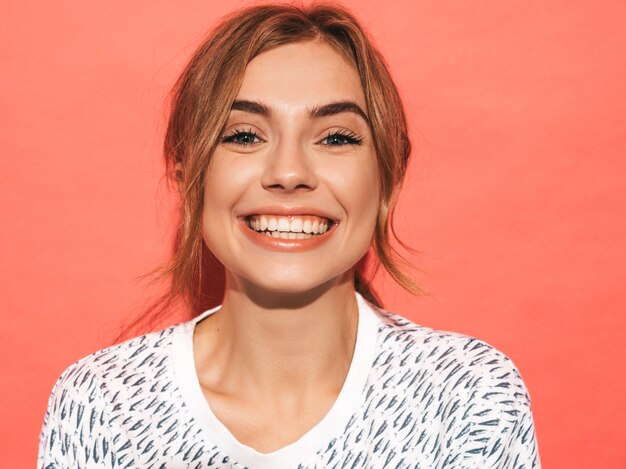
[
  {"x": 454, "y": 362},
  {"x": 457, "y": 383},
  {"x": 94, "y": 394},
  {"x": 93, "y": 382},
  {"x": 453, "y": 392},
  {"x": 120, "y": 361}
]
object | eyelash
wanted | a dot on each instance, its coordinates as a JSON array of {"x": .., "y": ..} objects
[{"x": 349, "y": 137}]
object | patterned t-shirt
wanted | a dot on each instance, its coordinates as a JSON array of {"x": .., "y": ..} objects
[{"x": 413, "y": 398}]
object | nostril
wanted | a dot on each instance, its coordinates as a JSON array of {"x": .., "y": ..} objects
[
  {"x": 289, "y": 187},
  {"x": 289, "y": 174}
]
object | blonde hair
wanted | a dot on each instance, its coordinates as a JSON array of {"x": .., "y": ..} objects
[{"x": 201, "y": 103}]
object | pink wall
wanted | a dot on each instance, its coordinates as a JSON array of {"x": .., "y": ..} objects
[{"x": 515, "y": 196}]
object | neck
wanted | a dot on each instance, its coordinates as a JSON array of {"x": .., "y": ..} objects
[{"x": 272, "y": 344}]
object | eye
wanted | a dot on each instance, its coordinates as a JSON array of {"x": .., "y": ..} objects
[
  {"x": 242, "y": 137},
  {"x": 342, "y": 137}
]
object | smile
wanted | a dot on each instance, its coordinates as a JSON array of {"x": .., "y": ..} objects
[
  {"x": 291, "y": 227},
  {"x": 288, "y": 233}
]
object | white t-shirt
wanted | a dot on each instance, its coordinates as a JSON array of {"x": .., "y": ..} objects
[{"x": 413, "y": 397}]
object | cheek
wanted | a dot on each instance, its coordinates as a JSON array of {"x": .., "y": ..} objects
[
  {"x": 226, "y": 179},
  {"x": 361, "y": 186},
  {"x": 357, "y": 189},
  {"x": 224, "y": 184},
  {"x": 216, "y": 194}
]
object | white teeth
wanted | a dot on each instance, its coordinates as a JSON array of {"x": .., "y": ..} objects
[
  {"x": 292, "y": 227},
  {"x": 283, "y": 224},
  {"x": 307, "y": 226},
  {"x": 286, "y": 235},
  {"x": 296, "y": 225}
]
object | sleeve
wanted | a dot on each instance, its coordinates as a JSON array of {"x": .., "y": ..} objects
[
  {"x": 75, "y": 430},
  {"x": 503, "y": 431}
]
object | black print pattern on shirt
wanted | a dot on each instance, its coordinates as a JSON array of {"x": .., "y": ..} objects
[{"x": 433, "y": 400}]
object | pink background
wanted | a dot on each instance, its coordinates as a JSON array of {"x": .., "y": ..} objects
[{"x": 515, "y": 195}]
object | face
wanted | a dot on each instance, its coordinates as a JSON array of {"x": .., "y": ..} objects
[{"x": 291, "y": 192}]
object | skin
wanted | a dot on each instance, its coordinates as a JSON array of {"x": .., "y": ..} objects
[{"x": 272, "y": 361}]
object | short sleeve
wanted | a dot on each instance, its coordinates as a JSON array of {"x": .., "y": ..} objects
[
  {"x": 519, "y": 444},
  {"x": 75, "y": 430},
  {"x": 502, "y": 430}
]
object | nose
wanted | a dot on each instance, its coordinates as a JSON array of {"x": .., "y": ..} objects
[{"x": 289, "y": 169}]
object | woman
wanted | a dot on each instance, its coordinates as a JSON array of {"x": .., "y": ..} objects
[{"x": 289, "y": 144}]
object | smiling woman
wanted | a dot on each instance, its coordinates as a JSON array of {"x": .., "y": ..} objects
[
  {"x": 288, "y": 142},
  {"x": 308, "y": 161}
]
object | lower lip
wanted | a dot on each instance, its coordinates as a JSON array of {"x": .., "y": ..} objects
[{"x": 281, "y": 244}]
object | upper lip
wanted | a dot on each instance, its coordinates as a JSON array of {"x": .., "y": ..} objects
[{"x": 287, "y": 211}]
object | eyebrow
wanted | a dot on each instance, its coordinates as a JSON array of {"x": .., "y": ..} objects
[{"x": 330, "y": 109}]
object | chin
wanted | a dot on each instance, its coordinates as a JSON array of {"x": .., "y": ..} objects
[{"x": 289, "y": 283}]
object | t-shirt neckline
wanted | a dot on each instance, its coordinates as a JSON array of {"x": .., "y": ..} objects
[{"x": 331, "y": 425}]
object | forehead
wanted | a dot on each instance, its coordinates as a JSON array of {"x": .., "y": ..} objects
[{"x": 299, "y": 75}]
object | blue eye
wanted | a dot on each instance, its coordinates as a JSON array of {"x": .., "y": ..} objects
[
  {"x": 333, "y": 139},
  {"x": 240, "y": 137},
  {"x": 342, "y": 137}
]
